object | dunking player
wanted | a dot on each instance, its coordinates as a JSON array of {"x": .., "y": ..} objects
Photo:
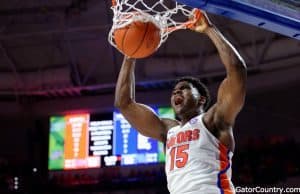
[{"x": 200, "y": 146}]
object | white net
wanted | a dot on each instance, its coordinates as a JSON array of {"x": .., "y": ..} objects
[{"x": 167, "y": 15}]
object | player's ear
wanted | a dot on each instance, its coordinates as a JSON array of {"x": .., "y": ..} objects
[{"x": 202, "y": 100}]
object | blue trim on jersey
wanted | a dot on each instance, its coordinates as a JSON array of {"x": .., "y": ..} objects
[{"x": 222, "y": 172}]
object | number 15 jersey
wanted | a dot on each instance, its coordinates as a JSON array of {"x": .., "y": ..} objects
[{"x": 196, "y": 161}]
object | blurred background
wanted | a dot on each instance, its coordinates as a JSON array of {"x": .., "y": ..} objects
[{"x": 58, "y": 71}]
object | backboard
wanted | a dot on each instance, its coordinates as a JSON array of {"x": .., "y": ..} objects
[{"x": 281, "y": 16}]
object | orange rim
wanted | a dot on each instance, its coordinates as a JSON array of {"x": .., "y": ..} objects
[
  {"x": 190, "y": 24},
  {"x": 114, "y": 3}
]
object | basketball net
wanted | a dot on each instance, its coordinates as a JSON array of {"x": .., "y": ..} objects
[{"x": 168, "y": 18}]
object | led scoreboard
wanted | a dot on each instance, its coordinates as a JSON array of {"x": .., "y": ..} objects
[
  {"x": 69, "y": 143},
  {"x": 134, "y": 147},
  {"x": 80, "y": 141}
]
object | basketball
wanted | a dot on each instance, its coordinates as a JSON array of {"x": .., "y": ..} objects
[{"x": 138, "y": 39}]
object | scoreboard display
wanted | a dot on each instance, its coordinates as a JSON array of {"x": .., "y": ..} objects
[{"x": 80, "y": 141}]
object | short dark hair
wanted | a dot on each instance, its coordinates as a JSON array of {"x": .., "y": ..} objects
[{"x": 202, "y": 89}]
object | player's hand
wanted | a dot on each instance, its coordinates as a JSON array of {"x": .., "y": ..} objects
[
  {"x": 202, "y": 21},
  {"x": 129, "y": 59}
]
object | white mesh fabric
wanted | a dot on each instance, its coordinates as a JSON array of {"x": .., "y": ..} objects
[{"x": 168, "y": 16}]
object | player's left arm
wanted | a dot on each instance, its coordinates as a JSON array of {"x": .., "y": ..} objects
[{"x": 232, "y": 91}]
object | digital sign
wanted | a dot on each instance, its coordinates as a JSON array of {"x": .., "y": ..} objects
[
  {"x": 101, "y": 133},
  {"x": 68, "y": 143},
  {"x": 133, "y": 146},
  {"x": 87, "y": 141}
]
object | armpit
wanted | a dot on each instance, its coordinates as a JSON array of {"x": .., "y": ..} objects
[{"x": 170, "y": 123}]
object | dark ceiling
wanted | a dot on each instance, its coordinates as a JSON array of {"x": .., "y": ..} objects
[{"x": 58, "y": 49}]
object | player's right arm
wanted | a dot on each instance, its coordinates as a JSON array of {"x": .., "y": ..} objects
[{"x": 140, "y": 116}]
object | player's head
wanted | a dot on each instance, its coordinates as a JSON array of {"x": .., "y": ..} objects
[{"x": 189, "y": 96}]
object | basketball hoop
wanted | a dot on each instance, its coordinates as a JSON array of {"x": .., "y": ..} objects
[{"x": 168, "y": 18}]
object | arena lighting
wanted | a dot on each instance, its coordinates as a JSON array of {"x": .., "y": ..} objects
[{"x": 16, "y": 183}]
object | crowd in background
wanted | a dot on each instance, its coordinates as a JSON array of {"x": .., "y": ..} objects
[
  {"x": 259, "y": 161},
  {"x": 266, "y": 160}
]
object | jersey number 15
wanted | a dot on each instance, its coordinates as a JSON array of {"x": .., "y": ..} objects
[{"x": 179, "y": 156}]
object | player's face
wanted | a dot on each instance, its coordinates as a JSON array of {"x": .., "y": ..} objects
[{"x": 185, "y": 98}]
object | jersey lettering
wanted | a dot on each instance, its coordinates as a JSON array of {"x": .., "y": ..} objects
[
  {"x": 179, "y": 145},
  {"x": 183, "y": 137},
  {"x": 195, "y": 134}
]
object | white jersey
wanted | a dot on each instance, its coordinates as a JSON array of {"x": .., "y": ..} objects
[{"x": 196, "y": 161}]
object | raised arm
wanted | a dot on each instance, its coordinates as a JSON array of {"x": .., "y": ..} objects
[
  {"x": 140, "y": 116},
  {"x": 231, "y": 93}
]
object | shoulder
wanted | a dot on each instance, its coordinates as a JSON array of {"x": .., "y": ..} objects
[
  {"x": 167, "y": 124},
  {"x": 214, "y": 121},
  {"x": 222, "y": 130},
  {"x": 170, "y": 123}
]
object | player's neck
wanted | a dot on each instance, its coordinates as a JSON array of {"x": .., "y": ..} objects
[{"x": 188, "y": 117}]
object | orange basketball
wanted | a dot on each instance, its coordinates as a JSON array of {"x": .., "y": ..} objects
[{"x": 138, "y": 39}]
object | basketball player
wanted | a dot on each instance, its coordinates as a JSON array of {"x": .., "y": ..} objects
[{"x": 200, "y": 146}]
